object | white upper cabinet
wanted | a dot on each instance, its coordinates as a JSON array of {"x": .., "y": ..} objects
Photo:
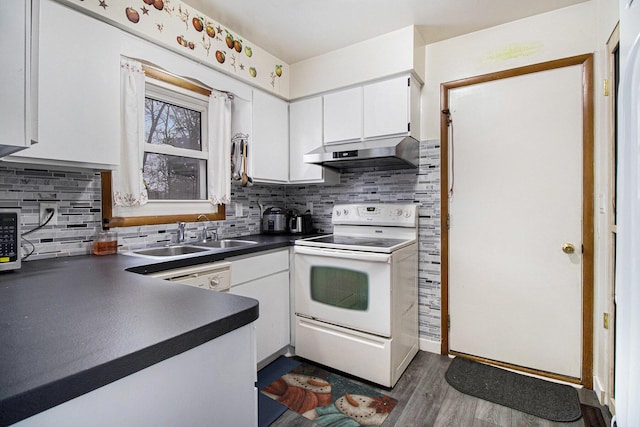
[
  {"x": 343, "y": 115},
  {"x": 375, "y": 110},
  {"x": 78, "y": 89},
  {"x": 15, "y": 76},
  {"x": 269, "y": 145},
  {"x": 305, "y": 133},
  {"x": 387, "y": 107}
]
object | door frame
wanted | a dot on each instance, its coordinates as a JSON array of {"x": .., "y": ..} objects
[
  {"x": 586, "y": 61},
  {"x": 613, "y": 45}
]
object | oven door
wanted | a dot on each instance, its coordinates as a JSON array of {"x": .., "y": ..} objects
[{"x": 346, "y": 288}]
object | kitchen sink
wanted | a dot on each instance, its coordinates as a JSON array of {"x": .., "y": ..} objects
[
  {"x": 168, "y": 251},
  {"x": 176, "y": 251},
  {"x": 224, "y": 243}
]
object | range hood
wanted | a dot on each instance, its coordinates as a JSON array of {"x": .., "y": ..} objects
[{"x": 401, "y": 152}]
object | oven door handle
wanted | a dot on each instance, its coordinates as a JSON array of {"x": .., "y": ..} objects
[{"x": 344, "y": 254}]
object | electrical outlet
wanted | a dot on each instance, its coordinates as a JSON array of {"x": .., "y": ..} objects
[
  {"x": 239, "y": 210},
  {"x": 44, "y": 214},
  {"x": 310, "y": 207}
]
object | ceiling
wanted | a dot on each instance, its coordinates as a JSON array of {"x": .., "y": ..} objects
[{"x": 294, "y": 30}]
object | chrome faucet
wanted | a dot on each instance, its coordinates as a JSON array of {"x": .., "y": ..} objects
[
  {"x": 205, "y": 229},
  {"x": 181, "y": 232}
]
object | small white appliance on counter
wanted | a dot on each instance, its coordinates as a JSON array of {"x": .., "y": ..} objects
[{"x": 356, "y": 292}]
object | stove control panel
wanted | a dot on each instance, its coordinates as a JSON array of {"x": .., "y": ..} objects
[{"x": 393, "y": 214}]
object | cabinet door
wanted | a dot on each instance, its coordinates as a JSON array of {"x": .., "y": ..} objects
[
  {"x": 269, "y": 146},
  {"x": 386, "y": 107},
  {"x": 15, "y": 76},
  {"x": 343, "y": 115},
  {"x": 272, "y": 327},
  {"x": 305, "y": 134},
  {"x": 78, "y": 88}
]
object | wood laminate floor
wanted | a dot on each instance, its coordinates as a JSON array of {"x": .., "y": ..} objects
[{"x": 426, "y": 399}]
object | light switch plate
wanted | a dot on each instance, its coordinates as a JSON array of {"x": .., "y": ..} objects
[{"x": 239, "y": 210}]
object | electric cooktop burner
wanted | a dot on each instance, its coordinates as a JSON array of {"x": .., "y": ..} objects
[
  {"x": 369, "y": 244},
  {"x": 359, "y": 241},
  {"x": 372, "y": 227}
]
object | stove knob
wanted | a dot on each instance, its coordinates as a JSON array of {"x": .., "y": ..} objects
[
  {"x": 337, "y": 212},
  {"x": 346, "y": 212},
  {"x": 399, "y": 212},
  {"x": 407, "y": 214}
]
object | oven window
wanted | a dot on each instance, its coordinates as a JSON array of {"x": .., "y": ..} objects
[{"x": 340, "y": 287}]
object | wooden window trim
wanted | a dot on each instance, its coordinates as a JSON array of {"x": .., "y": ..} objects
[
  {"x": 163, "y": 76},
  {"x": 108, "y": 220}
]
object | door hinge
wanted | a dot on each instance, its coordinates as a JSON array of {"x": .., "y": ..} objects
[
  {"x": 448, "y": 222},
  {"x": 605, "y": 320},
  {"x": 605, "y": 87},
  {"x": 448, "y": 322},
  {"x": 408, "y": 127},
  {"x": 409, "y": 81}
]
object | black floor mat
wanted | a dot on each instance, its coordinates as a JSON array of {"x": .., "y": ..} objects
[{"x": 544, "y": 399}]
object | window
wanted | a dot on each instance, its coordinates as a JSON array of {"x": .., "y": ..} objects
[{"x": 175, "y": 157}]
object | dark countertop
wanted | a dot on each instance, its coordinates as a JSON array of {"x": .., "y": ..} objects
[{"x": 71, "y": 325}]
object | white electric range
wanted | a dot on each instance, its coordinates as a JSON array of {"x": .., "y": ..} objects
[{"x": 356, "y": 292}]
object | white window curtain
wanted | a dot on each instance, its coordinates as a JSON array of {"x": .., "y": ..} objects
[
  {"x": 219, "y": 170},
  {"x": 128, "y": 183}
]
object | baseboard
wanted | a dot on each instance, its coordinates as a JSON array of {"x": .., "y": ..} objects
[
  {"x": 430, "y": 346},
  {"x": 600, "y": 392}
]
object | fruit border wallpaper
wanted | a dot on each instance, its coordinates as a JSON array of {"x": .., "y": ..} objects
[{"x": 173, "y": 24}]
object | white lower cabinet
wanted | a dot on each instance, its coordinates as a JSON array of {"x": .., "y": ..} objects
[
  {"x": 265, "y": 277},
  {"x": 211, "y": 384}
]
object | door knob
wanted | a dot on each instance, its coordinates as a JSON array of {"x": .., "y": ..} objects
[{"x": 568, "y": 248}]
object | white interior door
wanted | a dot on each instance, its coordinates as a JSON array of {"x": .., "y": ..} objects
[{"x": 514, "y": 295}]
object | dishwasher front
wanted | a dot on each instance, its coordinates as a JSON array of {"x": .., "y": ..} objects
[{"x": 214, "y": 276}]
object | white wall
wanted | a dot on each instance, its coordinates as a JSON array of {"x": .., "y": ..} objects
[
  {"x": 559, "y": 34},
  {"x": 575, "y": 30},
  {"x": 628, "y": 243},
  {"x": 381, "y": 56}
]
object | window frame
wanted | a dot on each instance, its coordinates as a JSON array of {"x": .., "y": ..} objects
[
  {"x": 163, "y": 92},
  {"x": 164, "y": 211}
]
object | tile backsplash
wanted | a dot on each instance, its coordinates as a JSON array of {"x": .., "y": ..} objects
[
  {"x": 77, "y": 194},
  {"x": 421, "y": 186}
]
